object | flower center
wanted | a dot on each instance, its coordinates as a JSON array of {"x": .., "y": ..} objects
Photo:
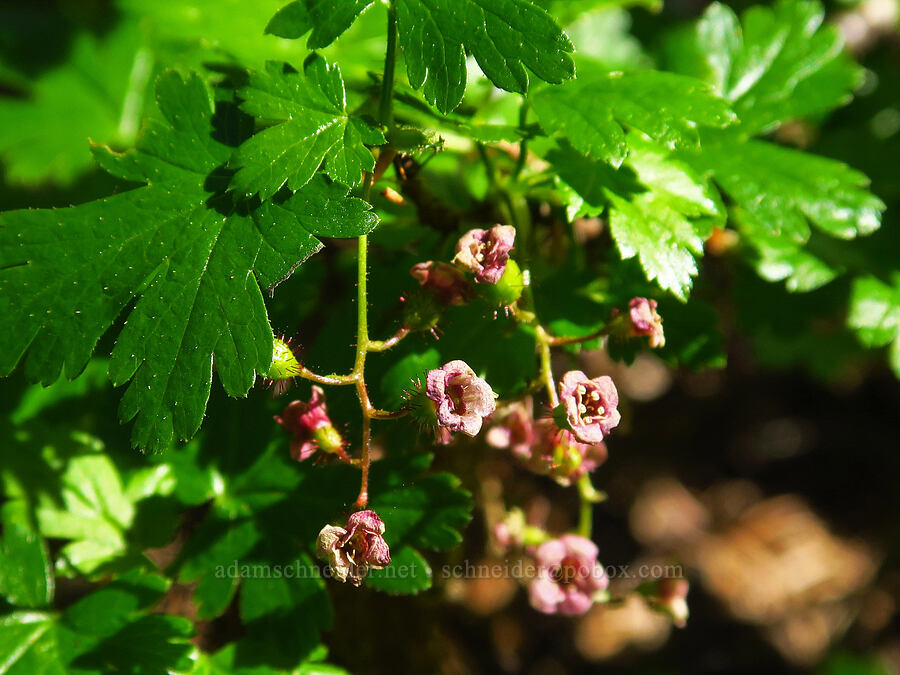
[
  {"x": 568, "y": 571},
  {"x": 590, "y": 404}
]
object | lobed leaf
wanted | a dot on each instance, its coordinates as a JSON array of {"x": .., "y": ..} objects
[
  {"x": 593, "y": 112},
  {"x": 192, "y": 258}
]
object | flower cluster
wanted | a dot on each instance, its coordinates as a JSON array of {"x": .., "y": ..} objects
[
  {"x": 542, "y": 446},
  {"x": 481, "y": 267}
]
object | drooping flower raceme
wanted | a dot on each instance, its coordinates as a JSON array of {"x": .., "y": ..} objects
[
  {"x": 484, "y": 253},
  {"x": 311, "y": 427},
  {"x": 352, "y": 551},
  {"x": 588, "y": 407},
  {"x": 644, "y": 320},
  {"x": 569, "y": 579},
  {"x": 459, "y": 399}
]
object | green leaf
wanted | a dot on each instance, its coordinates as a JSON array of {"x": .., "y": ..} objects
[
  {"x": 777, "y": 64},
  {"x": 660, "y": 210},
  {"x": 326, "y": 18},
  {"x": 875, "y": 314},
  {"x": 106, "y": 631},
  {"x": 777, "y": 192},
  {"x": 197, "y": 31},
  {"x": 409, "y": 573},
  {"x": 28, "y": 645},
  {"x": 504, "y": 36},
  {"x": 26, "y": 576},
  {"x": 99, "y": 92},
  {"x": 193, "y": 257},
  {"x": 312, "y": 126},
  {"x": 594, "y": 111}
]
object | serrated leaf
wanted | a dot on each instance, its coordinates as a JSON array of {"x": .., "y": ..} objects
[
  {"x": 594, "y": 111},
  {"x": 776, "y": 64},
  {"x": 875, "y": 314},
  {"x": 193, "y": 257},
  {"x": 312, "y": 127},
  {"x": 504, "y": 36},
  {"x": 327, "y": 19},
  {"x": 777, "y": 193},
  {"x": 426, "y": 513},
  {"x": 660, "y": 210}
]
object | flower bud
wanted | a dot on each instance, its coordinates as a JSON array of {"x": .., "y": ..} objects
[{"x": 284, "y": 368}]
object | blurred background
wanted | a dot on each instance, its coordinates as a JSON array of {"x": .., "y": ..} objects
[{"x": 773, "y": 482}]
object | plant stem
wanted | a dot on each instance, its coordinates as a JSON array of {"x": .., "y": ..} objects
[
  {"x": 363, "y": 346},
  {"x": 385, "y": 107},
  {"x": 384, "y": 345}
]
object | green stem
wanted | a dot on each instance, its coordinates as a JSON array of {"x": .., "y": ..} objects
[
  {"x": 363, "y": 345},
  {"x": 385, "y": 107}
]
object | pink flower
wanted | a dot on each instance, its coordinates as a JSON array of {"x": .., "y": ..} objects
[
  {"x": 542, "y": 446},
  {"x": 514, "y": 430},
  {"x": 484, "y": 252},
  {"x": 353, "y": 551},
  {"x": 446, "y": 282},
  {"x": 311, "y": 427},
  {"x": 589, "y": 406},
  {"x": 645, "y": 320},
  {"x": 569, "y": 576},
  {"x": 461, "y": 399}
]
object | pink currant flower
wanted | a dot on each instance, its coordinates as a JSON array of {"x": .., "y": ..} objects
[
  {"x": 352, "y": 551},
  {"x": 484, "y": 253},
  {"x": 569, "y": 578},
  {"x": 645, "y": 320},
  {"x": 311, "y": 427},
  {"x": 445, "y": 281},
  {"x": 515, "y": 430},
  {"x": 461, "y": 399},
  {"x": 589, "y": 407}
]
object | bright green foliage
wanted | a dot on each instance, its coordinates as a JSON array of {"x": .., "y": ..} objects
[
  {"x": 800, "y": 189},
  {"x": 195, "y": 258},
  {"x": 193, "y": 31},
  {"x": 327, "y": 19},
  {"x": 26, "y": 578},
  {"x": 875, "y": 314},
  {"x": 99, "y": 92},
  {"x": 777, "y": 64},
  {"x": 314, "y": 127},
  {"x": 592, "y": 110},
  {"x": 107, "y": 631},
  {"x": 659, "y": 209},
  {"x": 504, "y": 36}
]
